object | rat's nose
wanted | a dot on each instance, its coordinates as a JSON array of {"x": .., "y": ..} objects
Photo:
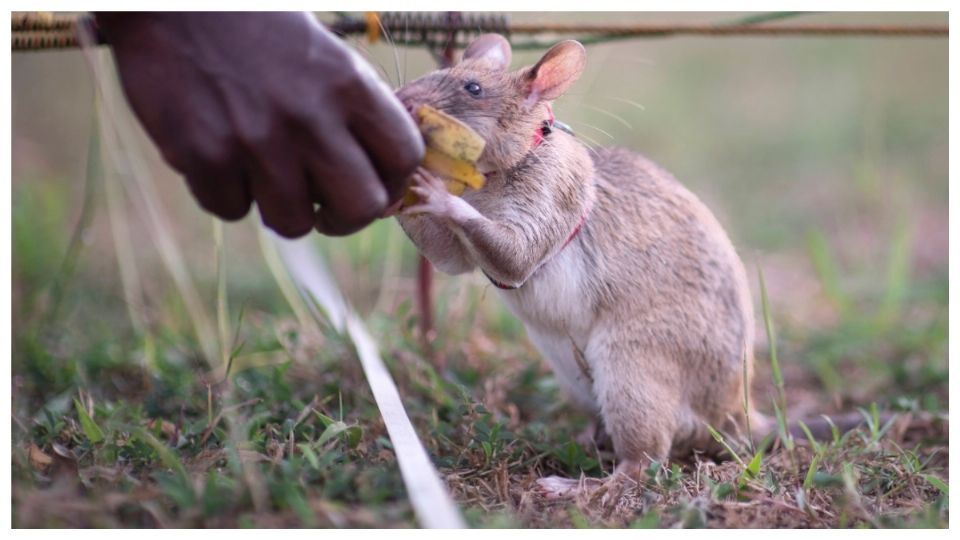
[{"x": 410, "y": 103}]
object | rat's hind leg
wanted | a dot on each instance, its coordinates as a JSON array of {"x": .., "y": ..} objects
[
  {"x": 639, "y": 393},
  {"x": 640, "y": 405}
]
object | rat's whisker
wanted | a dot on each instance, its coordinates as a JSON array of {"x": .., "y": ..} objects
[
  {"x": 406, "y": 29},
  {"x": 627, "y": 101},
  {"x": 595, "y": 128},
  {"x": 592, "y": 147},
  {"x": 368, "y": 56},
  {"x": 393, "y": 46},
  {"x": 609, "y": 114}
]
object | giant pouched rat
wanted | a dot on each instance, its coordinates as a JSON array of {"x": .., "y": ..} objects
[{"x": 624, "y": 280}]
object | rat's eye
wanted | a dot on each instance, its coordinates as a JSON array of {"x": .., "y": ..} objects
[{"x": 473, "y": 88}]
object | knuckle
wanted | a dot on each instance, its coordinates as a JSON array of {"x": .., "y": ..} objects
[
  {"x": 255, "y": 133},
  {"x": 351, "y": 81}
]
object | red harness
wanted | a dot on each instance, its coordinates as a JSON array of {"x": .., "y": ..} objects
[
  {"x": 539, "y": 135},
  {"x": 541, "y": 132}
]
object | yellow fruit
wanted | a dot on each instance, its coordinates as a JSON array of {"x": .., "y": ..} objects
[
  {"x": 452, "y": 152},
  {"x": 449, "y": 135},
  {"x": 452, "y": 168},
  {"x": 454, "y": 187},
  {"x": 409, "y": 199}
]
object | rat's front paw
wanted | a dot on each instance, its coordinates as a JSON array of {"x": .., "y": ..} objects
[{"x": 434, "y": 198}]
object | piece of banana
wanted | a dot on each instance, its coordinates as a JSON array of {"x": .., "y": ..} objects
[
  {"x": 452, "y": 168},
  {"x": 453, "y": 149},
  {"x": 448, "y": 135}
]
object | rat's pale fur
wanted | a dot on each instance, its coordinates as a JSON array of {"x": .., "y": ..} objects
[{"x": 651, "y": 291}]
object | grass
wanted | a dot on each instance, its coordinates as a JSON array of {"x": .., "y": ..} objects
[
  {"x": 136, "y": 444},
  {"x": 119, "y": 419}
]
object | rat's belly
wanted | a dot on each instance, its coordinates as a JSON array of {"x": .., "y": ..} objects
[
  {"x": 556, "y": 312},
  {"x": 574, "y": 376},
  {"x": 554, "y": 298}
]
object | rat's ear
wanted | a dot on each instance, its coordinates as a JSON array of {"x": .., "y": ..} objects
[
  {"x": 556, "y": 71},
  {"x": 492, "y": 48}
]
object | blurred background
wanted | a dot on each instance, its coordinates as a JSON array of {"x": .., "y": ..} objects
[{"x": 825, "y": 159}]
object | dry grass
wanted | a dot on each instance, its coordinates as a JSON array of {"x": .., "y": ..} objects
[{"x": 492, "y": 423}]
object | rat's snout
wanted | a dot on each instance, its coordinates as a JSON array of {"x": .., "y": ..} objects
[
  {"x": 412, "y": 97},
  {"x": 409, "y": 102}
]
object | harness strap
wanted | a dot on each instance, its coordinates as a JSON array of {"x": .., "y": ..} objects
[{"x": 576, "y": 231}]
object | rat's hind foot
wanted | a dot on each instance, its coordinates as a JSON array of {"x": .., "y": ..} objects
[
  {"x": 612, "y": 487},
  {"x": 557, "y": 487},
  {"x": 633, "y": 470}
]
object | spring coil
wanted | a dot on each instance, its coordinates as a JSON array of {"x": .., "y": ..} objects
[
  {"x": 41, "y": 22},
  {"x": 439, "y": 31}
]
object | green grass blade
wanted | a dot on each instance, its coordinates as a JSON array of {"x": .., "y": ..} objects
[
  {"x": 782, "y": 429},
  {"x": 938, "y": 483},
  {"x": 746, "y": 399},
  {"x": 89, "y": 427},
  {"x": 826, "y": 268},
  {"x": 285, "y": 281},
  {"x": 752, "y": 470},
  {"x": 223, "y": 316},
  {"x": 817, "y": 448},
  {"x": 771, "y": 336},
  {"x": 834, "y": 430},
  {"x": 780, "y": 404},
  {"x": 717, "y": 436},
  {"x": 808, "y": 479},
  {"x": 898, "y": 273},
  {"x": 123, "y": 246},
  {"x": 167, "y": 457}
]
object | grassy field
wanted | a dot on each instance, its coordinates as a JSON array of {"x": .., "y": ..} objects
[{"x": 826, "y": 159}]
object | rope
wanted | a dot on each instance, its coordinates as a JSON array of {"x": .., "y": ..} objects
[
  {"x": 37, "y": 31},
  {"x": 742, "y": 30}
]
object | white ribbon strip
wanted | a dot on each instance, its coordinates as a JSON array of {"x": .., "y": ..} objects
[{"x": 428, "y": 494}]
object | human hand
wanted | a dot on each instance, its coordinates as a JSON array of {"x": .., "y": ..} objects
[{"x": 266, "y": 107}]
